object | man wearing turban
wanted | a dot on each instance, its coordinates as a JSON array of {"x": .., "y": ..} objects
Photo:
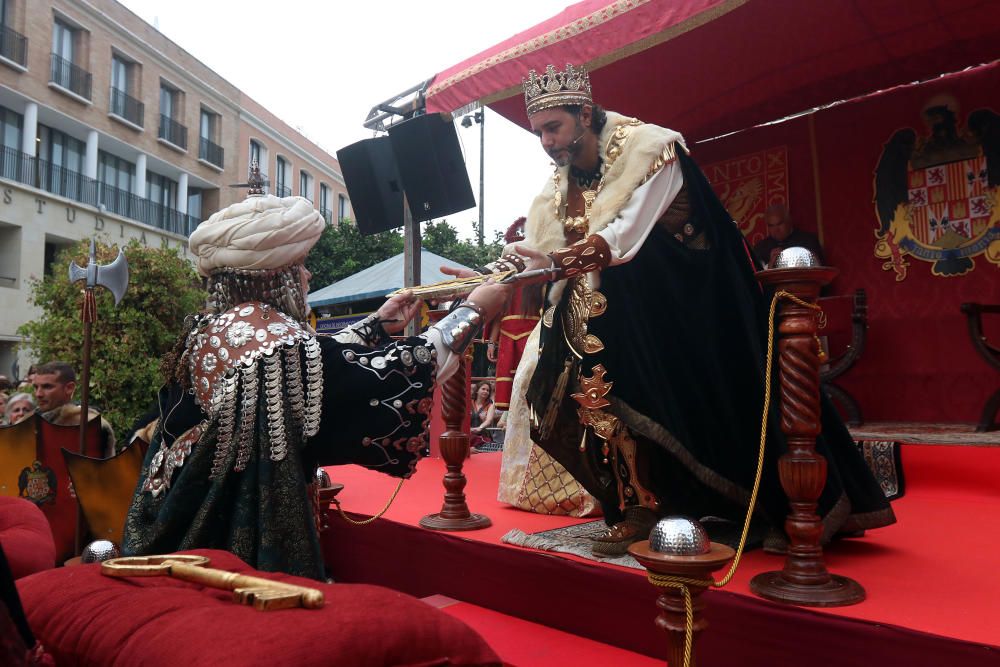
[{"x": 254, "y": 399}]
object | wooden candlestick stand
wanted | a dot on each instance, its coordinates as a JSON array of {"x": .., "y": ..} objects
[
  {"x": 804, "y": 579},
  {"x": 454, "y": 446},
  {"x": 326, "y": 496},
  {"x": 673, "y": 618}
]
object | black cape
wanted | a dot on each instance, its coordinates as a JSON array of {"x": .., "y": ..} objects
[{"x": 685, "y": 334}]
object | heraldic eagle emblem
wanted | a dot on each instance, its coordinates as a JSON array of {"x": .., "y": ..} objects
[{"x": 936, "y": 196}]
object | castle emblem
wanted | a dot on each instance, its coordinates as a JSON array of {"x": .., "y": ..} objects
[
  {"x": 936, "y": 195},
  {"x": 37, "y": 484}
]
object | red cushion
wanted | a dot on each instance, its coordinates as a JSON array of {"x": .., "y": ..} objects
[
  {"x": 25, "y": 536},
  {"x": 85, "y": 618}
]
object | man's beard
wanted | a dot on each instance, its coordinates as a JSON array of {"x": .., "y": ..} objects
[{"x": 565, "y": 155}]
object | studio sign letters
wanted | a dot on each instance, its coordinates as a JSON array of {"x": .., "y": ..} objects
[{"x": 99, "y": 222}]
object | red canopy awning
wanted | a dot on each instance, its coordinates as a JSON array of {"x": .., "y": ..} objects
[{"x": 707, "y": 67}]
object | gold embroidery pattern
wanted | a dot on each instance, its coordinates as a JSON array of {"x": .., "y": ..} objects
[
  {"x": 584, "y": 303},
  {"x": 590, "y": 254},
  {"x": 630, "y": 489},
  {"x": 668, "y": 155},
  {"x": 592, "y": 399},
  {"x": 549, "y": 488}
]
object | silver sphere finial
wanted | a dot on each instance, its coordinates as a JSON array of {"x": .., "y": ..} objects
[
  {"x": 679, "y": 536},
  {"x": 795, "y": 257},
  {"x": 323, "y": 478},
  {"x": 99, "y": 551}
]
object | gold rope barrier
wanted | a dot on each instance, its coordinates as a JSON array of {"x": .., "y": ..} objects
[
  {"x": 682, "y": 583},
  {"x": 371, "y": 518}
]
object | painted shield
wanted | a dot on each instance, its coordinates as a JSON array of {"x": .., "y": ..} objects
[
  {"x": 62, "y": 510},
  {"x": 105, "y": 487},
  {"x": 17, "y": 454}
]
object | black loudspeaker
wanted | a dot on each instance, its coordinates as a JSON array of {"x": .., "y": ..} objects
[
  {"x": 373, "y": 184},
  {"x": 430, "y": 162}
]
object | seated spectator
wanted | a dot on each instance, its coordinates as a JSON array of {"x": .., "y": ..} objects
[
  {"x": 5, "y": 383},
  {"x": 781, "y": 234},
  {"x": 483, "y": 415},
  {"x": 19, "y": 406},
  {"x": 55, "y": 383}
]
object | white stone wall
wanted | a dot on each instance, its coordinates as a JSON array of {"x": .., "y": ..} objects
[{"x": 28, "y": 219}]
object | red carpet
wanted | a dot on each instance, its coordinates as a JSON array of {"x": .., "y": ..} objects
[
  {"x": 930, "y": 578},
  {"x": 526, "y": 644}
]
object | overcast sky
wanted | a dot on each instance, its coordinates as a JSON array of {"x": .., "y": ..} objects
[{"x": 321, "y": 66}]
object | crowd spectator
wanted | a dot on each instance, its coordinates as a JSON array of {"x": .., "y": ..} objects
[
  {"x": 55, "y": 384},
  {"x": 19, "y": 406}
]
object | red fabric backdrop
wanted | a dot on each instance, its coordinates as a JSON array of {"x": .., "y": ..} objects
[{"x": 919, "y": 363}]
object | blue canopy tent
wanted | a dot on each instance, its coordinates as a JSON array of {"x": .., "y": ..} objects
[{"x": 377, "y": 281}]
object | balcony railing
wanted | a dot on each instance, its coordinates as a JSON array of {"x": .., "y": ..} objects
[
  {"x": 282, "y": 191},
  {"x": 69, "y": 76},
  {"x": 42, "y": 174},
  {"x": 210, "y": 152},
  {"x": 174, "y": 132},
  {"x": 327, "y": 215},
  {"x": 13, "y": 46},
  {"x": 127, "y": 107}
]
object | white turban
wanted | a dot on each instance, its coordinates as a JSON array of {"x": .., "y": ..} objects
[{"x": 261, "y": 232}]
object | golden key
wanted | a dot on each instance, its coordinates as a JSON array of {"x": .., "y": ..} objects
[{"x": 262, "y": 594}]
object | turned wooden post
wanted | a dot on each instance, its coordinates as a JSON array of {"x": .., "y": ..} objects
[
  {"x": 804, "y": 579},
  {"x": 672, "y": 618},
  {"x": 454, "y": 446}
]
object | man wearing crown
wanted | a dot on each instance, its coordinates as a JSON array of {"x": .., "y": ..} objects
[{"x": 649, "y": 380}]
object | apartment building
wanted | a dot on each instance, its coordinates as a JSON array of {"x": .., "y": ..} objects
[{"x": 108, "y": 128}]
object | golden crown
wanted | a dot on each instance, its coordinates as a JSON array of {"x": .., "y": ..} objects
[{"x": 554, "y": 89}]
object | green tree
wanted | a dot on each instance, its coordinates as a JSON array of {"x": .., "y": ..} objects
[
  {"x": 128, "y": 340},
  {"x": 442, "y": 238},
  {"x": 343, "y": 251}
]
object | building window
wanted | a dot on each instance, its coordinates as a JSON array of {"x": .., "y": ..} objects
[
  {"x": 195, "y": 201},
  {"x": 10, "y": 255},
  {"x": 170, "y": 111},
  {"x": 281, "y": 188},
  {"x": 123, "y": 102},
  {"x": 10, "y": 128},
  {"x": 341, "y": 208},
  {"x": 161, "y": 195},
  {"x": 117, "y": 178},
  {"x": 53, "y": 246},
  {"x": 63, "y": 41},
  {"x": 65, "y": 70},
  {"x": 14, "y": 165},
  {"x": 61, "y": 160},
  {"x": 255, "y": 154},
  {"x": 324, "y": 201},
  {"x": 13, "y": 45},
  {"x": 305, "y": 186},
  {"x": 209, "y": 149},
  {"x": 119, "y": 74}
]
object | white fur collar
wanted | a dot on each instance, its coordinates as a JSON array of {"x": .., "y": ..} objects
[{"x": 645, "y": 143}]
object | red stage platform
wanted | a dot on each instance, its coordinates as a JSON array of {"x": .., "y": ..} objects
[{"x": 931, "y": 581}]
